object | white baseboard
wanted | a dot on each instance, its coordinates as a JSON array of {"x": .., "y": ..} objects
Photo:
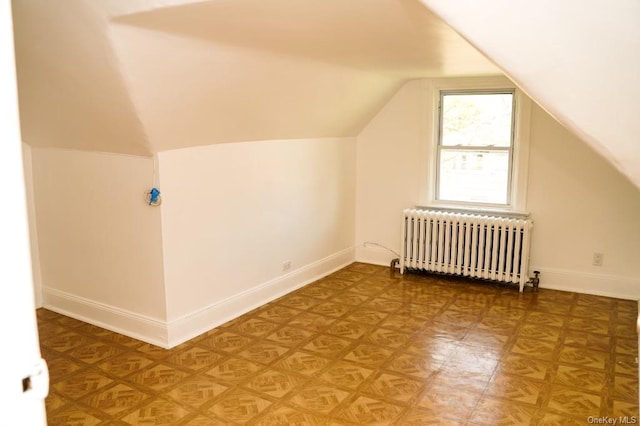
[
  {"x": 189, "y": 326},
  {"x": 585, "y": 282},
  {"x": 555, "y": 279},
  {"x": 169, "y": 334},
  {"x": 112, "y": 318}
]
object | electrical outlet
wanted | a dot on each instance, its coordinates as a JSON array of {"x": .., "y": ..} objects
[
  {"x": 286, "y": 265},
  {"x": 598, "y": 259}
]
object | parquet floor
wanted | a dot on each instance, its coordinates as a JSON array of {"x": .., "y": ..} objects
[{"x": 361, "y": 347}]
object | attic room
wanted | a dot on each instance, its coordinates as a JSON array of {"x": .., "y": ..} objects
[{"x": 286, "y": 139}]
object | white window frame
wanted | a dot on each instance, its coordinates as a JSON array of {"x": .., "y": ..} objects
[{"x": 520, "y": 150}]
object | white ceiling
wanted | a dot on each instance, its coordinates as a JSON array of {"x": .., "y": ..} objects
[
  {"x": 395, "y": 36},
  {"x": 142, "y": 76},
  {"x": 579, "y": 59}
]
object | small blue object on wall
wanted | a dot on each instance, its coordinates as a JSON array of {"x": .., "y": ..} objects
[
  {"x": 155, "y": 193},
  {"x": 153, "y": 197}
]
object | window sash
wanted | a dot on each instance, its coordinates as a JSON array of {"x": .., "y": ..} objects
[
  {"x": 508, "y": 149},
  {"x": 478, "y": 177}
]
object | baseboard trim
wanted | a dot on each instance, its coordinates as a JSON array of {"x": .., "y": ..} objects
[
  {"x": 374, "y": 255},
  {"x": 119, "y": 320},
  {"x": 177, "y": 331},
  {"x": 189, "y": 326},
  {"x": 551, "y": 278},
  {"x": 589, "y": 283}
]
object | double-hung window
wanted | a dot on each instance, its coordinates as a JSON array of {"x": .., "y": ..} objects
[
  {"x": 480, "y": 154},
  {"x": 475, "y": 147}
]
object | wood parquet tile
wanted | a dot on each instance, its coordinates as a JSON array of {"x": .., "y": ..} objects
[
  {"x": 196, "y": 391},
  {"x": 157, "y": 412},
  {"x": 72, "y": 416},
  {"x": 79, "y": 385},
  {"x": 361, "y": 347},
  {"x": 366, "y": 410},
  {"x": 319, "y": 398},
  {"x": 275, "y": 383},
  {"x": 240, "y": 406},
  {"x": 346, "y": 374},
  {"x": 290, "y": 416},
  {"x": 303, "y": 363}
]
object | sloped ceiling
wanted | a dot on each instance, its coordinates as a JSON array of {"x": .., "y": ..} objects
[
  {"x": 579, "y": 59},
  {"x": 142, "y": 76}
]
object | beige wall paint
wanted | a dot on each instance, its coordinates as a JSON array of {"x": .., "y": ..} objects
[
  {"x": 144, "y": 76},
  {"x": 196, "y": 92},
  {"x": 391, "y": 165},
  {"x": 72, "y": 94},
  {"x": 231, "y": 216},
  {"x": 579, "y": 203},
  {"x": 582, "y": 67},
  {"x": 233, "y": 213},
  {"x": 98, "y": 240}
]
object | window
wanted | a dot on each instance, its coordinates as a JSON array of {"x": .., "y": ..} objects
[
  {"x": 478, "y": 152},
  {"x": 475, "y": 146}
]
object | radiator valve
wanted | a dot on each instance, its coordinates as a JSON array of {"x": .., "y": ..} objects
[
  {"x": 535, "y": 280},
  {"x": 393, "y": 266}
]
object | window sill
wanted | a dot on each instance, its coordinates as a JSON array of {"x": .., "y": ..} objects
[{"x": 484, "y": 210}]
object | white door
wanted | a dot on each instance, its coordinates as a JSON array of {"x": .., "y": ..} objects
[{"x": 23, "y": 375}]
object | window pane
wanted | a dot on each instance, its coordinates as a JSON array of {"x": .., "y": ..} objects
[
  {"x": 479, "y": 119},
  {"x": 474, "y": 176}
]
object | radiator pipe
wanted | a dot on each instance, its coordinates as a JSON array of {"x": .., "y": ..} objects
[
  {"x": 535, "y": 281},
  {"x": 393, "y": 266}
]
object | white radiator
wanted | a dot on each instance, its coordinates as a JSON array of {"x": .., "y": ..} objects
[{"x": 485, "y": 247}]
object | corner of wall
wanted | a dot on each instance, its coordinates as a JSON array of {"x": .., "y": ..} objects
[
  {"x": 618, "y": 287},
  {"x": 168, "y": 334},
  {"x": 158, "y": 183},
  {"x": 375, "y": 254},
  {"x": 123, "y": 321},
  {"x": 193, "y": 324},
  {"x": 32, "y": 221},
  {"x": 112, "y": 243}
]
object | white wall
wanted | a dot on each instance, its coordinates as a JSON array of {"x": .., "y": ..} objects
[
  {"x": 232, "y": 214},
  {"x": 99, "y": 242},
  {"x": 391, "y": 165},
  {"x": 580, "y": 204},
  {"x": 229, "y": 93}
]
